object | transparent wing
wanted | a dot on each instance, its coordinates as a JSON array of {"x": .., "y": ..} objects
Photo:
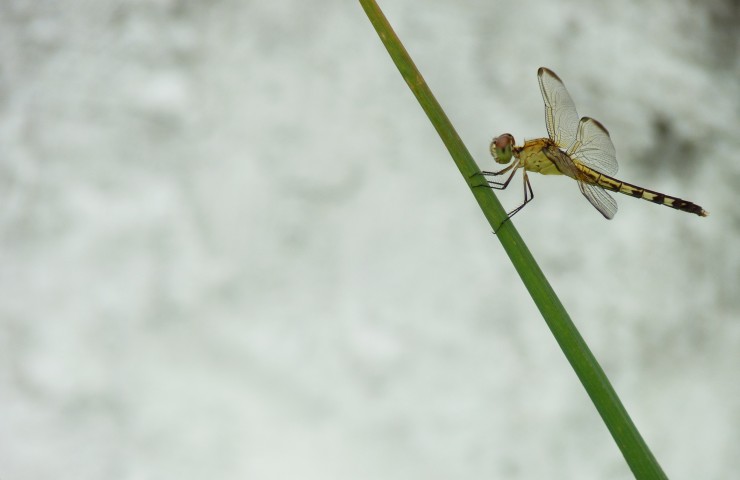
[
  {"x": 594, "y": 148},
  {"x": 561, "y": 116},
  {"x": 599, "y": 198},
  {"x": 586, "y": 142}
]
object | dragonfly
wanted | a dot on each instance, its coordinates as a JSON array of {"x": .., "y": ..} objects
[{"x": 579, "y": 149}]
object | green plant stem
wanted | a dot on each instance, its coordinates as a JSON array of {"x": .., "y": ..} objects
[{"x": 637, "y": 454}]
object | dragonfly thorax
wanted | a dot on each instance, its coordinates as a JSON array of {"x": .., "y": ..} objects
[{"x": 540, "y": 155}]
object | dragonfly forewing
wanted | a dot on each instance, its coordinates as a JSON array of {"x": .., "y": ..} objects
[{"x": 561, "y": 116}]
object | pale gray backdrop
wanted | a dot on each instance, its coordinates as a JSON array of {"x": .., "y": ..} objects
[{"x": 233, "y": 247}]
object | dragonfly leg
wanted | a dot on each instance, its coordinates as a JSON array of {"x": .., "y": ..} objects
[
  {"x": 528, "y": 197},
  {"x": 500, "y": 185},
  {"x": 502, "y": 171},
  {"x": 496, "y": 173}
]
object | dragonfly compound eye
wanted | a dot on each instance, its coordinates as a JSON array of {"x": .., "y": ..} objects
[{"x": 501, "y": 148}]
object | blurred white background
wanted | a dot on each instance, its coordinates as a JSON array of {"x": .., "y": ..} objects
[{"x": 234, "y": 247}]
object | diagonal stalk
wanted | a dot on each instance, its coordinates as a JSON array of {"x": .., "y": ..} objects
[{"x": 636, "y": 452}]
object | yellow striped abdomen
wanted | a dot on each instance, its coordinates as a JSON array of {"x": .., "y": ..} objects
[{"x": 588, "y": 175}]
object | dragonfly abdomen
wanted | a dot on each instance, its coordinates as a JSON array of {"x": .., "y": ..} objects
[{"x": 609, "y": 183}]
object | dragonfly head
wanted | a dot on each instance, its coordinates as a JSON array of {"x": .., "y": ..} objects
[{"x": 501, "y": 148}]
